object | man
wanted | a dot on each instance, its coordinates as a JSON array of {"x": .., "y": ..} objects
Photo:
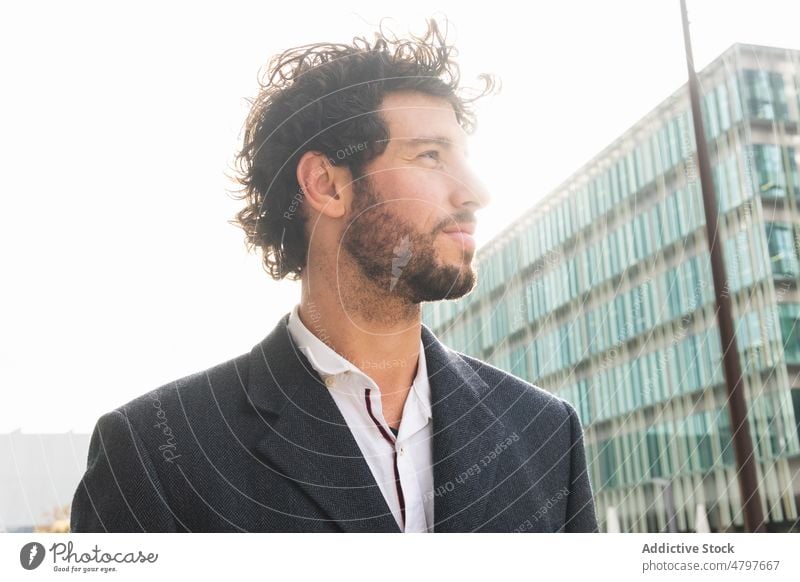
[{"x": 350, "y": 415}]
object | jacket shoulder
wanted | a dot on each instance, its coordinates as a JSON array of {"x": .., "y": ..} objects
[
  {"x": 198, "y": 389},
  {"x": 510, "y": 389},
  {"x": 130, "y": 483},
  {"x": 493, "y": 375}
]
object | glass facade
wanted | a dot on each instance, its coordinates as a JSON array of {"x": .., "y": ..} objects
[
  {"x": 790, "y": 331},
  {"x": 776, "y": 170},
  {"x": 605, "y": 297},
  {"x": 781, "y": 241},
  {"x": 764, "y": 94}
]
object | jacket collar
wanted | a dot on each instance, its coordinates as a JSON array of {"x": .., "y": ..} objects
[{"x": 308, "y": 441}]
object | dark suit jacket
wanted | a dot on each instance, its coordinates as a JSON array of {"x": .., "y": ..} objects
[{"x": 258, "y": 444}]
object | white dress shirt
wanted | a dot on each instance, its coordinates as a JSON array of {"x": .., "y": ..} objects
[{"x": 409, "y": 455}]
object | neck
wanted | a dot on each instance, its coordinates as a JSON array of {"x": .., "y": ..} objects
[{"x": 376, "y": 330}]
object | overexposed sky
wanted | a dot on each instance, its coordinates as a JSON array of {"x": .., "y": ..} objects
[{"x": 118, "y": 124}]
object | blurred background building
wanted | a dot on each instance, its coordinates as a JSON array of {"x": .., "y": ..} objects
[
  {"x": 40, "y": 475},
  {"x": 602, "y": 294}
]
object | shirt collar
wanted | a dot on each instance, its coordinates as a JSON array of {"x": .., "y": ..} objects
[
  {"x": 322, "y": 357},
  {"x": 327, "y": 362},
  {"x": 422, "y": 385}
]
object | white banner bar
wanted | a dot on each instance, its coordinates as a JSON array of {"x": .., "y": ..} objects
[{"x": 410, "y": 557}]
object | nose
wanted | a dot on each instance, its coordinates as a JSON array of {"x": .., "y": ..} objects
[{"x": 469, "y": 189}]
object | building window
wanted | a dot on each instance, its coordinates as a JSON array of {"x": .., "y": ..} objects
[
  {"x": 770, "y": 177},
  {"x": 789, "y": 314},
  {"x": 609, "y": 468},
  {"x": 725, "y": 436},
  {"x": 764, "y": 94},
  {"x": 782, "y": 252}
]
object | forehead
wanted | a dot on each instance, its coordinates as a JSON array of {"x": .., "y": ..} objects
[{"x": 411, "y": 115}]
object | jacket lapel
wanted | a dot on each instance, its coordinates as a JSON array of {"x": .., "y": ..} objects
[
  {"x": 465, "y": 432},
  {"x": 308, "y": 440}
]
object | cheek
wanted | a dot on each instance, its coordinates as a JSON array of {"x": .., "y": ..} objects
[
  {"x": 423, "y": 215},
  {"x": 430, "y": 193},
  {"x": 418, "y": 195},
  {"x": 417, "y": 183}
]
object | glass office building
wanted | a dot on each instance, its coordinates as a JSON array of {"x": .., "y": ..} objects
[{"x": 602, "y": 294}]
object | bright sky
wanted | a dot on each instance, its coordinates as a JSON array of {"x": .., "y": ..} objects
[{"x": 119, "y": 123}]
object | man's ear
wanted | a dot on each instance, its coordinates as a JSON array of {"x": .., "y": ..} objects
[{"x": 320, "y": 182}]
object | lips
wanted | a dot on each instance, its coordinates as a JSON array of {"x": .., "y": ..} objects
[
  {"x": 462, "y": 234},
  {"x": 467, "y": 228}
]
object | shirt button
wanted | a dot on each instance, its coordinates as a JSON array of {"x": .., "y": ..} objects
[
  {"x": 402, "y": 450},
  {"x": 329, "y": 381}
]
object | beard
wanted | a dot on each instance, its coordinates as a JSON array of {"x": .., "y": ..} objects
[{"x": 394, "y": 256}]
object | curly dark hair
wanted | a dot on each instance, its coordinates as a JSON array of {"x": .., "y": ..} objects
[{"x": 324, "y": 97}]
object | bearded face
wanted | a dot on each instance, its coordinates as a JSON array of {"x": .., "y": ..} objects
[{"x": 396, "y": 254}]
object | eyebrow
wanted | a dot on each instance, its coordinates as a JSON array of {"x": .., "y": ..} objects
[{"x": 430, "y": 139}]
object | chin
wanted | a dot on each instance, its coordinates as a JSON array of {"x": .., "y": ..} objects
[
  {"x": 455, "y": 282},
  {"x": 455, "y": 258}
]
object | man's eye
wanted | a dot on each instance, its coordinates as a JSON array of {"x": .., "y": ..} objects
[{"x": 432, "y": 154}]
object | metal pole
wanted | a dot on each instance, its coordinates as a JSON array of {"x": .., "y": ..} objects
[{"x": 742, "y": 445}]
